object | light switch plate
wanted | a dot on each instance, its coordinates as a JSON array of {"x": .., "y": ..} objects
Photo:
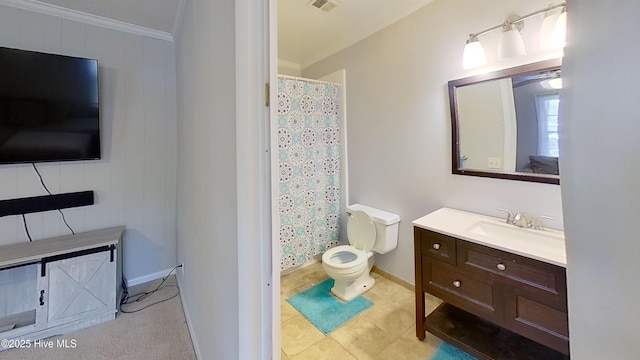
[{"x": 494, "y": 163}]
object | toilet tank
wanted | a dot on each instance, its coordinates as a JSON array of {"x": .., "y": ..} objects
[{"x": 386, "y": 227}]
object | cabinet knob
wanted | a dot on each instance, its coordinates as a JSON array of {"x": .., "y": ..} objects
[
  {"x": 436, "y": 246},
  {"x": 457, "y": 283},
  {"x": 501, "y": 267}
]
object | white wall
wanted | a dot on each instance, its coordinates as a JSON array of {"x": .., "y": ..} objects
[
  {"x": 134, "y": 183},
  {"x": 482, "y": 123},
  {"x": 207, "y": 221},
  {"x": 399, "y": 126},
  {"x": 600, "y": 172}
]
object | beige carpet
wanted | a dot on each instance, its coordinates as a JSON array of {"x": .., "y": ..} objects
[{"x": 157, "y": 332}]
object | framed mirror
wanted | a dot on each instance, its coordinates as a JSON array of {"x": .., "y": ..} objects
[{"x": 505, "y": 123}]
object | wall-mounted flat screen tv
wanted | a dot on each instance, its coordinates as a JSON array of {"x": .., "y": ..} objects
[{"x": 49, "y": 108}]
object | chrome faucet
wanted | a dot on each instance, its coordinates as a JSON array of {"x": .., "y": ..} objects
[
  {"x": 520, "y": 220},
  {"x": 511, "y": 219},
  {"x": 536, "y": 222}
]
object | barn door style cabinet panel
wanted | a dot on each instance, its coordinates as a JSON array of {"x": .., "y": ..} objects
[
  {"x": 58, "y": 285},
  {"x": 497, "y": 303}
]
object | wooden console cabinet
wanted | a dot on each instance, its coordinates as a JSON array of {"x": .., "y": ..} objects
[
  {"x": 497, "y": 305},
  {"x": 54, "y": 286}
]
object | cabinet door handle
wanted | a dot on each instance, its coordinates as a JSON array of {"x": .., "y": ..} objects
[
  {"x": 41, "y": 297},
  {"x": 457, "y": 283},
  {"x": 436, "y": 246},
  {"x": 501, "y": 267}
]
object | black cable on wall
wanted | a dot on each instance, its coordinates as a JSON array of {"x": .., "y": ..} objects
[{"x": 49, "y": 192}]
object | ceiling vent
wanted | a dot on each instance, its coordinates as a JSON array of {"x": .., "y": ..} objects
[{"x": 325, "y": 5}]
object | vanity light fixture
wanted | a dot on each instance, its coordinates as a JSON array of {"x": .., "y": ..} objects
[
  {"x": 511, "y": 42},
  {"x": 474, "y": 55},
  {"x": 551, "y": 80},
  {"x": 556, "y": 83},
  {"x": 559, "y": 34},
  {"x": 547, "y": 28},
  {"x": 552, "y": 84}
]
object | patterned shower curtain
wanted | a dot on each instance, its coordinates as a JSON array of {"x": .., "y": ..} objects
[{"x": 309, "y": 168}]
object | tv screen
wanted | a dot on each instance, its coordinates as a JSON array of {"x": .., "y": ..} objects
[{"x": 48, "y": 107}]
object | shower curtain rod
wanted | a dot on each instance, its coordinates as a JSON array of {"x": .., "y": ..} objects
[{"x": 290, "y": 77}]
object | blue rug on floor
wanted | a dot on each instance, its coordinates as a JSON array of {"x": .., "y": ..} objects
[
  {"x": 450, "y": 352},
  {"x": 323, "y": 310}
]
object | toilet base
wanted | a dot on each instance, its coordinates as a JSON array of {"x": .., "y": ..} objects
[{"x": 349, "y": 290}]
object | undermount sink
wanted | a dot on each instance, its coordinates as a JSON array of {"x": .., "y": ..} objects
[{"x": 511, "y": 232}]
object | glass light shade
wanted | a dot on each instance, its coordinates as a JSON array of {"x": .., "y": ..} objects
[
  {"x": 556, "y": 83},
  {"x": 546, "y": 31},
  {"x": 552, "y": 84},
  {"x": 474, "y": 55},
  {"x": 511, "y": 44},
  {"x": 559, "y": 34}
]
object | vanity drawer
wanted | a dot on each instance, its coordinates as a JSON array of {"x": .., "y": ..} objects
[
  {"x": 458, "y": 289},
  {"x": 518, "y": 269},
  {"x": 533, "y": 317},
  {"x": 438, "y": 246}
]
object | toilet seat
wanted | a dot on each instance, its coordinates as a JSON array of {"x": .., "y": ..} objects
[
  {"x": 361, "y": 231},
  {"x": 350, "y": 259},
  {"x": 344, "y": 257},
  {"x": 350, "y": 265}
]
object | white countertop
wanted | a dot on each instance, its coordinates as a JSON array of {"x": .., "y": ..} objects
[{"x": 549, "y": 248}]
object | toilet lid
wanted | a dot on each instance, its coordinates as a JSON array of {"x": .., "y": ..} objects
[{"x": 361, "y": 231}]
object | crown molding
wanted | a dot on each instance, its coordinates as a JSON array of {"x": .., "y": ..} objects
[
  {"x": 79, "y": 16},
  {"x": 290, "y": 65}
]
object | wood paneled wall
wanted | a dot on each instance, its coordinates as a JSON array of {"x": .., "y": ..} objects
[{"x": 135, "y": 182}]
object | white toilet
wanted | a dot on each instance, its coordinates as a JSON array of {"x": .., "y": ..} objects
[{"x": 368, "y": 230}]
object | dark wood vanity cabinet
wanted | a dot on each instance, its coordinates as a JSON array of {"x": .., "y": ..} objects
[{"x": 497, "y": 305}]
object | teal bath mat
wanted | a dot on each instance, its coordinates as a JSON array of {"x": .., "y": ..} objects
[
  {"x": 325, "y": 311},
  {"x": 450, "y": 352}
]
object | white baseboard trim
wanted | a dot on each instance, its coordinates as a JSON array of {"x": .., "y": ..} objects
[
  {"x": 86, "y": 18},
  {"x": 148, "y": 278},
  {"x": 194, "y": 341}
]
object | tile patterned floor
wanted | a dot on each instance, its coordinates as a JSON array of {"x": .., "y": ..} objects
[{"x": 385, "y": 331}]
